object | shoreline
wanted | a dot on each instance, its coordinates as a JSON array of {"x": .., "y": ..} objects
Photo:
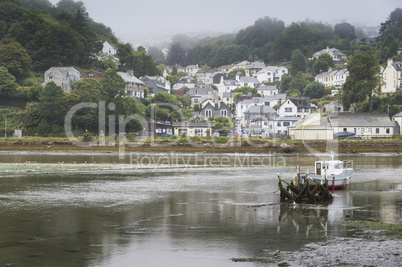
[{"x": 255, "y": 146}]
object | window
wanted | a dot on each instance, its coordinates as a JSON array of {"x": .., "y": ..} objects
[
  {"x": 377, "y": 130},
  {"x": 370, "y": 130},
  {"x": 288, "y": 109},
  {"x": 208, "y": 113},
  {"x": 345, "y": 129},
  {"x": 299, "y": 110},
  {"x": 354, "y": 130},
  {"x": 362, "y": 131},
  {"x": 198, "y": 132},
  {"x": 279, "y": 123},
  {"x": 286, "y": 123},
  {"x": 307, "y": 110},
  {"x": 387, "y": 130},
  {"x": 224, "y": 113}
]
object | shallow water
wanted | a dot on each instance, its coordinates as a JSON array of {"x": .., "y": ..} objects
[{"x": 82, "y": 209}]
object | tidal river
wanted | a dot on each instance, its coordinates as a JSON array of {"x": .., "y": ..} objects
[{"x": 86, "y": 209}]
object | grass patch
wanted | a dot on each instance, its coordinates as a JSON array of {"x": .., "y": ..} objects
[{"x": 387, "y": 229}]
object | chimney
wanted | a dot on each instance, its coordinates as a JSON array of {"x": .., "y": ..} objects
[
  {"x": 130, "y": 72},
  {"x": 390, "y": 61}
]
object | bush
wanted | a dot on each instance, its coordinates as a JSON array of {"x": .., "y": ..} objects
[
  {"x": 87, "y": 137},
  {"x": 182, "y": 140},
  {"x": 131, "y": 137},
  {"x": 195, "y": 139},
  {"x": 222, "y": 139}
]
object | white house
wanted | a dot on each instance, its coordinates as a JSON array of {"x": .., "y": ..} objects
[
  {"x": 109, "y": 49},
  {"x": 392, "y": 77},
  {"x": 62, "y": 76},
  {"x": 333, "y": 77},
  {"x": 271, "y": 101},
  {"x": 186, "y": 81},
  {"x": 191, "y": 70},
  {"x": 254, "y": 68},
  {"x": 204, "y": 77},
  {"x": 270, "y": 90},
  {"x": 295, "y": 107},
  {"x": 134, "y": 86},
  {"x": 227, "y": 86},
  {"x": 200, "y": 95},
  {"x": 247, "y": 81},
  {"x": 271, "y": 74},
  {"x": 336, "y": 54}
]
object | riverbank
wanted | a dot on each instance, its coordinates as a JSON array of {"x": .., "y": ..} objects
[
  {"x": 369, "y": 244},
  {"x": 207, "y": 145}
]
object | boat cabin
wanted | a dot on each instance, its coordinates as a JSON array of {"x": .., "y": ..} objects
[{"x": 332, "y": 167}]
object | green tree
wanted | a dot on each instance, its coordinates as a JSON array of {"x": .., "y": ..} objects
[
  {"x": 389, "y": 47},
  {"x": 285, "y": 82},
  {"x": 15, "y": 58},
  {"x": 197, "y": 107},
  {"x": 298, "y": 62},
  {"x": 363, "y": 80},
  {"x": 51, "y": 104},
  {"x": 164, "y": 97},
  {"x": 323, "y": 63},
  {"x": 157, "y": 54},
  {"x": 8, "y": 85},
  {"x": 113, "y": 85},
  {"x": 297, "y": 85},
  {"x": 177, "y": 55},
  {"x": 32, "y": 117},
  {"x": 314, "y": 90},
  {"x": 345, "y": 31}
]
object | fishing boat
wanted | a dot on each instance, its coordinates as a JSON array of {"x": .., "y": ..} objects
[{"x": 337, "y": 172}]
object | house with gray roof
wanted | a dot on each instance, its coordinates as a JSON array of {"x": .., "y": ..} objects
[
  {"x": 186, "y": 81},
  {"x": 191, "y": 70},
  {"x": 227, "y": 86},
  {"x": 210, "y": 110},
  {"x": 336, "y": 54},
  {"x": 155, "y": 84},
  {"x": 271, "y": 74},
  {"x": 62, "y": 76},
  {"x": 200, "y": 95},
  {"x": 247, "y": 81},
  {"x": 134, "y": 86},
  {"x": 267, "y": 90},
  {"x": 271, "y": 101},
  {"x": 392, "y": 77},
  {"x": 254, "y": 68},
  {"x": 333, "y": 77},
  {"x": 204, "y": 77},
  {"x": 363, "y": 125},
  {"x": 397, "y": 119}
]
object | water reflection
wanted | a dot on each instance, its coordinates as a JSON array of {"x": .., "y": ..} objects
[{"x": 65, "y": 215}]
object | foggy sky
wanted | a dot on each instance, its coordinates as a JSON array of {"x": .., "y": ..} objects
[{"x": 138, "y": 21}]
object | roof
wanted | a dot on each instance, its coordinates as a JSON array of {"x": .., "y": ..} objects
[
  {"x": 397, "y": 65},
  {"x": 245, "y": 79},
  {"x": 192, "y": 67},
  {"x": 301, "y": 102},
  {"x": 260, "y": 109},
  {"x": 193, "y": 124},
  {"x": 201, "y": 91},
  {"x": 266, "y": 88},
  {"x": 228, "y": 94},
  {"x": 398, "y": 115},
  {"x": 328, "y": 50},
  {"x": 257, "y": 65},
  {"x": 130, "y": 78},
  {"x": 263, "y": 99},
  {"x": 63, "y": 70},
  {"x": 224, "y": 67},
  {"x": 360, "y": 120}
]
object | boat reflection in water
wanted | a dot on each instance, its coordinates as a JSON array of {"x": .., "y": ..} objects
[{"x": 316, "y": 219}]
